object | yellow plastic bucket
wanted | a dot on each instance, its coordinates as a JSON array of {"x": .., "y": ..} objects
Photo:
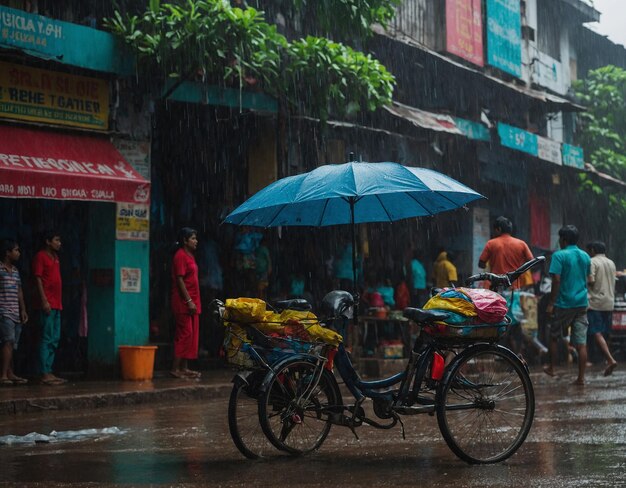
[{"x": 137, "y": 362}]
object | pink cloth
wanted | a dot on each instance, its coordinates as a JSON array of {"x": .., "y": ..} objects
[{"x": 490, "y": 306}]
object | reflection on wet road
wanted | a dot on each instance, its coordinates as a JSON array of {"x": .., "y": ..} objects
[{"x": 578, "y": 439}]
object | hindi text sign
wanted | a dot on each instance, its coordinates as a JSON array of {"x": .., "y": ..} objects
[{"x": 132, "y": 222}]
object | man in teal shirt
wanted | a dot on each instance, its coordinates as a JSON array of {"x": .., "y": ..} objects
[{"x": 568, "y": 302}]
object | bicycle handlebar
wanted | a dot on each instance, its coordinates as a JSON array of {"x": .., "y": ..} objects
[{"x": 505, "y": 279}]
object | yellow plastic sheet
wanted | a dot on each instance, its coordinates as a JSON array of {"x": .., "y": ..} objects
[{"x": 291, "y": 323}]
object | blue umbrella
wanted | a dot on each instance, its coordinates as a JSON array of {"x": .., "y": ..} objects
[{"x": 352, "y": 193}]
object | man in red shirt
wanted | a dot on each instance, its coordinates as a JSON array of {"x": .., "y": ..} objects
[
  {"x": 47, "y": 274},
  {"x": 505, "y": 253}
]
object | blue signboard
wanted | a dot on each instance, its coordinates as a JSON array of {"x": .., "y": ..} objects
[
  {"x": 63, "y": 42},
  {"x": 472, "y": 130},
  {"x": 518, "y": 139},
  {"x": 573, "y": 156},
  {"x": 504, "y": 35}
]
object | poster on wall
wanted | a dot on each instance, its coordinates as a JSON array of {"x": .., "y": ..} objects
[
  {"x": 481, "y": 233},
  {"x": 51, "y": 97},
  {"x": 137, "y": 153},
  {"x": 130, "y": 280},
  {"x": 464, "y": 30},
  {"x": 504, "y": 36},
  {"x": 132, "y": 222}
]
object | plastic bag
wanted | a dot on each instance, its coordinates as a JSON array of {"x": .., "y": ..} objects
[
  {"x": 457, "y": 305},
  {"x": 245, "y": 310},
  {"x": 490, "y": 306}
]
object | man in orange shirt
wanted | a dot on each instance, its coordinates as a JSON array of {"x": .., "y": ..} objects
[{"x": 505, "y": 253}]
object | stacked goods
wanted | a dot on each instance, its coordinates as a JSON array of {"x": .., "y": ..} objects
[
  {"x": 249, "y": 322},
  {"x": 473, "y": 313}
]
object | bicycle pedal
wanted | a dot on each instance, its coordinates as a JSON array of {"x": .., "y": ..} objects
[{"x": 356, "y": 410}]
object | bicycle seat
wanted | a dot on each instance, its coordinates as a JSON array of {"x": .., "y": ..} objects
[
  {"x": 421, "y": 316},
  {"x": 299, "y": 304}
]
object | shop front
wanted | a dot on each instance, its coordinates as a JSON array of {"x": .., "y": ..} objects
[{"x": 84, "y": 188}]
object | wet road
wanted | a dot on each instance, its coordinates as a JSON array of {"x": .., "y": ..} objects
[{"x": 578, "y": 439}]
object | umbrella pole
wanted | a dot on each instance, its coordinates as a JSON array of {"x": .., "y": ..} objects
[{"x": 355, "y": 291}]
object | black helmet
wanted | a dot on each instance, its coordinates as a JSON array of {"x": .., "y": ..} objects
[{"x": 337, "y": 303}]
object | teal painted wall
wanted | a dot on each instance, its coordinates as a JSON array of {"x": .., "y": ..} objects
[
  {"x": 115, "y": 318},
  {"x": 131, "y": 309}
]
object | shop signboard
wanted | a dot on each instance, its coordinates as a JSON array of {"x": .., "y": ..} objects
[
  {"x": 472, "y": 130},
  {"x": 547, "y": 72},
  {"x": 504, "y": 35},
  {"x": 464, "y": 30},
  {"x": 518, "y": 139},
  {"x": 63, "y": 42},
  {"x": 573, "y": 156},
  {"x": 132, "y": 222},
  {"x": 130, "y": 280},
  {"x": 52, "y": 97},
  {"x": 549, "y": 150}
]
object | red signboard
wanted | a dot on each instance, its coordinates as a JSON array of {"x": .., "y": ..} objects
[
  {"x": 539, "y": 221},
  {"x": 464, "y": 30},
  {"x": 44, "y": 164}
]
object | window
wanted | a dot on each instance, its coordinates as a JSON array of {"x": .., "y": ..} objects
[{"x": 548, "y": 30}]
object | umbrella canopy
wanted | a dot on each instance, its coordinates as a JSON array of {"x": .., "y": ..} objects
[{"x": 352, "y": 193}]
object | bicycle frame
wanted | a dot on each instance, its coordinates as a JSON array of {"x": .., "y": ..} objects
[{"x": 404, "y": 398}]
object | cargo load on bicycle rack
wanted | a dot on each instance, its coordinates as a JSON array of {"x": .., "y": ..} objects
[
  {"x": 473, "y": 313},
  {"x": 249, "y": 323}
]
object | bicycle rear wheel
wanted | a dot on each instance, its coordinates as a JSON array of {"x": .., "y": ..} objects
[
  {"x": 243, "y": 418},
  {"x": 486, "y": 404},
  {"x": 294, "y": 410}
]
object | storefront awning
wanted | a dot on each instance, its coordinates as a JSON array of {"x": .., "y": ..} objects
[
  {"x": 58, "y": 166},
  {"x": 424, "y": 119}
]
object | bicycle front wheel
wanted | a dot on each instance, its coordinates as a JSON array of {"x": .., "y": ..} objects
[
  {"x": 294, "y": 410},
  {"x": 243, "y": 418},
  {"x": 486, "y": 404}
]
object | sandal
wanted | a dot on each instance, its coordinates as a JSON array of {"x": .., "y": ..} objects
[
  {"x": 53, "y": 381},
  {"x": 192, "y": 374},
  {"x": 19, "y": 381},
  {"x": 178, "y": 374},
  {"x": 609, "y": 369},
  {"x": 549, "y": 371},
  {"x": 6, "y": 382}
]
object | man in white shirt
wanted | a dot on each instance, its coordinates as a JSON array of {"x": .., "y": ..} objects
[{"x": 601, "y": 299}]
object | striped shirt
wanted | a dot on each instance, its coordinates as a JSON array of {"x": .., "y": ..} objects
[{"x": 10, "y": 285}]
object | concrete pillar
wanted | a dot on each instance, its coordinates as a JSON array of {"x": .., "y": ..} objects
[{"x": 115, "y": 317}]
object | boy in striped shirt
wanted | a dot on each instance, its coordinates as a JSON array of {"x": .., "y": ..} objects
[{"x": 12, "y": 310}]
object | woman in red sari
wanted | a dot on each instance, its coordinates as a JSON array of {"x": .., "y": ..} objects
[{"x": 185, "y": 304}]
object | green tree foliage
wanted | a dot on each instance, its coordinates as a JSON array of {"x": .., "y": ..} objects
[
  {"x": 237, "y": 46},
  {"x": 603, "y": 135}
]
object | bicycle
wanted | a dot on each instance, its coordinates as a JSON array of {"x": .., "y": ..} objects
[
  {"x": 254, "y": 354},
  {"x": 483, "y": 398}
]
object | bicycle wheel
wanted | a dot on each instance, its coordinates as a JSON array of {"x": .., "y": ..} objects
[
  {"x": 243, "y": 419},
  {"x": 294, "y": 410},
  {"x": 486, "y": 404}
]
